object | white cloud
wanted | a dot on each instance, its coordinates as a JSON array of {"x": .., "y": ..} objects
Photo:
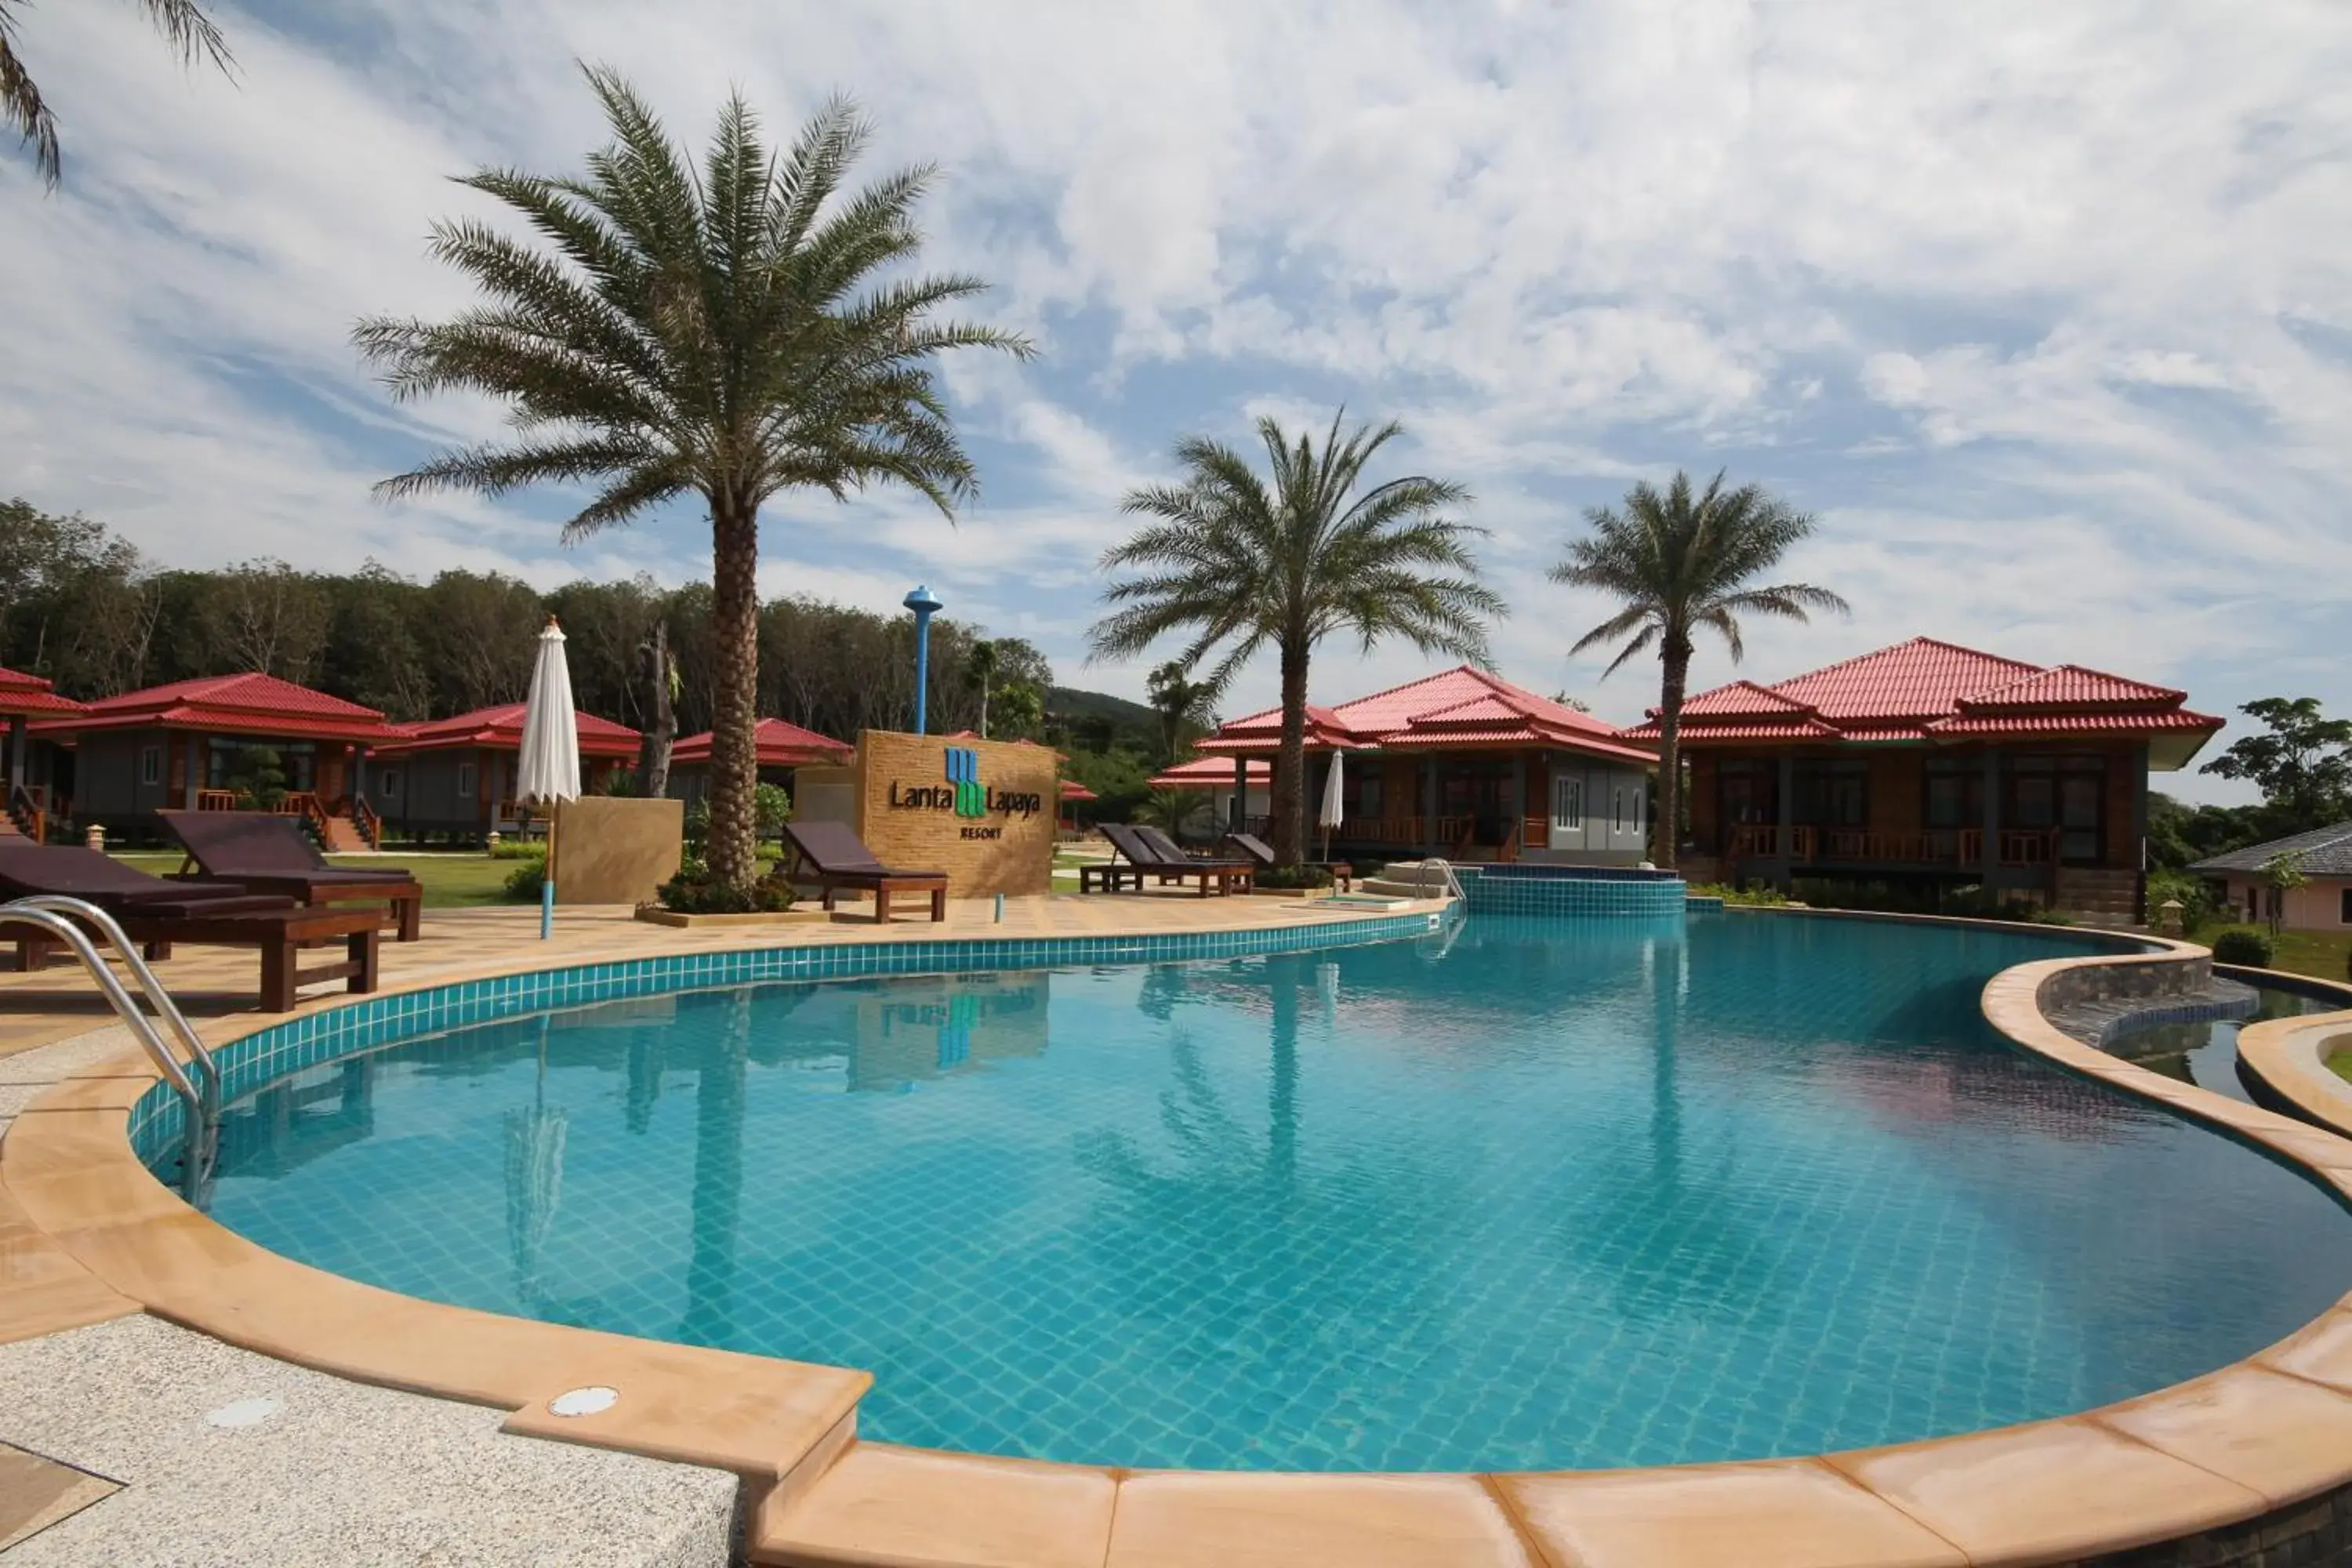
[{"x": 2042, "y": 309}]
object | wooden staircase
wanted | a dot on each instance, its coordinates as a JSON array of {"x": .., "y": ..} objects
[
  {"x": 339, "y": 834},
  {"x": 2098, "y": 896}
]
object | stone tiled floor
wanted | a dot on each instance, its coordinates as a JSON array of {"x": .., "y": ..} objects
[{"x": 214, "y": 984}]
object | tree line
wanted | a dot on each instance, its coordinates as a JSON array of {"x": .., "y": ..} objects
[{"x": 80, "y": 607}]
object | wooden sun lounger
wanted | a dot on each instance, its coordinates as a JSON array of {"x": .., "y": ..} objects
[
  {"x": 156, "y": 912},
  {"x": 838, "y": 858},
  {"x": 272, "y": 855},
  {"x": 1260, "y": 854},
  {"x": 1160, "y": 860}
]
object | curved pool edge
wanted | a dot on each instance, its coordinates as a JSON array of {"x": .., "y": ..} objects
[{"x": 2244, "y": 1451}]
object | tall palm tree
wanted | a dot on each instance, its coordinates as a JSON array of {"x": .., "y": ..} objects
[
  {"x": 1184, "y": 705},
  {"x": 979, "y": 668},
  {"x": 185, "y": 27},
  {"x": 719, "y": 333},
  {"x": 1242, "y": 564},
  {"x": 1679, "y": 562}
]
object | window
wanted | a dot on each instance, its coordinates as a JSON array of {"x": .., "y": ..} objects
[
  {"x": 464, "y": 780},
  {"x": 1832, "y": 794},
  {"x": 2344, "y": 913},
  {"x": 1568, "y": 803},
  {"x": 387, "y": 783},
  {"x": 1750, "y": 790},
  {"x": 150, "y": 764},
  {"x": 1955, "y": 792},
  {"x": 1617, "y": 809}
]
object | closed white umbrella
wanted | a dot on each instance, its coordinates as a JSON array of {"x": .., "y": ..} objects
[
  {"x": 549, "y": 768},
  {"x": 1333, "y": 813}
]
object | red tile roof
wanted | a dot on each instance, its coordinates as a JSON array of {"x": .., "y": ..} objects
[
  {"x": 22, "y": 693},
  {"x": 1924, "y": 690},
  {"x": 781, "y": 745},
  {"x": 1210, "y": 773},
  {"x": 1921, "y": 678},
  {"x": 249, "y": 704},
  {"x": 1740, "y": 697},
  {"x": 1072, "y": 791},
  {"x": 501, "y": 729},
  {"x": 2072, "y": 686},
  {"x": 1454, "y": 708}
]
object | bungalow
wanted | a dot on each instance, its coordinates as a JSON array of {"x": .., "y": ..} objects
[
  {"x": 1215, "y": 775},
  {"x": 203, "y": 744},
  {"x": 30, "y": 802},
  {"x": 781, "y": 747},
  {"x": 2322, "y": 901},
  {"x": 456, "y": 775},
  {"x": 1932, "y": 765},
  {"x": 1465, "y": 764}
]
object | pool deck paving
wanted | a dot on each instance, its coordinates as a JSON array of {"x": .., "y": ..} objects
[{"x": 351, "y": 1461}]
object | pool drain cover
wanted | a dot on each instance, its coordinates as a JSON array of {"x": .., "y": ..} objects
[{"x": 583, "y": 1400}]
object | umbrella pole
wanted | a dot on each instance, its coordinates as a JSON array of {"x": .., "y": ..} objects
[{"x": 547, "y": 884}]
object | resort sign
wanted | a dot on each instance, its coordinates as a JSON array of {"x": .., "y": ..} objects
[{"x": 962, "y": 792}]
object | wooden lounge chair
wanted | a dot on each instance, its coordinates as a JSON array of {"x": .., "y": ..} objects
[
  {"x": 1261, "y": 855},
  {"x": 268, "y": 854},
  {"x": 155, "y": 913},
  {"x": 1149, "y": 853},
  {"x": 835, "y": 857}
]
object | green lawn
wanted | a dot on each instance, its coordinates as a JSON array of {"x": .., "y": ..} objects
[
  {"x": 450, "y": 882},
  {"x": 2320, "y": 954}
]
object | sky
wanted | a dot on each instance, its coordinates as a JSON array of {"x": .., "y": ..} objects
[{"x": 2044, "y": 311}]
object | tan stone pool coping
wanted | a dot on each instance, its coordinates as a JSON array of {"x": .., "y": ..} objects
[
  {"x": 2240, "y": 1443},
  {"x": 2289, "y": 1056}
]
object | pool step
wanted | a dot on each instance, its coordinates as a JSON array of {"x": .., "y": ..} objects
[{"x": 880, "y": 1504}]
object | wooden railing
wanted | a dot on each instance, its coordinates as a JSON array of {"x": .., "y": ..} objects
[
  {"x": 1961, "y": 846},
  {"x": 28, "y": 808},
  {"x": 216, "y": 800},
  {"x": 371, "y": 825}
]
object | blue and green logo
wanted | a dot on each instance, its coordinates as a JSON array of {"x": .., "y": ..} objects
[{"x": 963, "y": 772}]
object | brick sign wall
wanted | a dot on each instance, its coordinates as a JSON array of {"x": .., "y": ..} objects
[{"x": 982, "y": 811}]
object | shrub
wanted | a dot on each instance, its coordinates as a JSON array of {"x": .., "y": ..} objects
[
  {"x": 1293, "y": 877},
  {"x": 1762, "y": 895},
  {"x": 694, "y": 893},
  {"x": 525, "y": 881},
  {"x": 2247, "y": 949},
  {"x": 517, "y": 849},
  {"x": 2196, "y": 896},
  {"x": 771, "y": 807}
]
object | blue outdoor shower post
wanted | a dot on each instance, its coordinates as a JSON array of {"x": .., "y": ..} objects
[{"x": 925, "y": 607}]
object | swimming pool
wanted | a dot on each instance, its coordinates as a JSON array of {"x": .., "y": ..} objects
[{"x": 1524, "y": 1193}]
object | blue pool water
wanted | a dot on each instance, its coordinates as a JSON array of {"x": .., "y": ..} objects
[{"x": 1524, "y": 1193}]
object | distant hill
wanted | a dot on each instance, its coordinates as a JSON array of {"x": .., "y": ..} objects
[{"x": 1070, "y": 705}]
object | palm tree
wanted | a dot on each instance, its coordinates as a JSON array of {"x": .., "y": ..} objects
[
  {"x": 1679, "y": 562},
  {"x": 1184, "y": 705},
  {"x": 980, "y": 669},
  {"x": 717, "y": 333},
  {"x": 185, "y": 27},
  {"x": 1242, "y": 565}
]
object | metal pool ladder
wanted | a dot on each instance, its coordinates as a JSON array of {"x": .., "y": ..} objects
[
  {"x": 200, "y": 1097},
  {"x": 1451, "y": 884}
]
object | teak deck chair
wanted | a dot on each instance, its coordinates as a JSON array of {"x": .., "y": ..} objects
[
  {"x": 1161, "y": 861},
  {"x": 1261, "y": 855},
  {"x": 155, "y": 913},
  {"x": 271, "y": 853},
  {"x": 837, "y": 858}
]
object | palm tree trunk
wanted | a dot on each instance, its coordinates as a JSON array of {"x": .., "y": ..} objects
[
  {"x": 731, "y": 849},
  {"x": 1666, "y": 829},
  {"x": 1290, "y": 803},
  {"x": 983, "y": 705},
  {"x": 661, "y": 731}
]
